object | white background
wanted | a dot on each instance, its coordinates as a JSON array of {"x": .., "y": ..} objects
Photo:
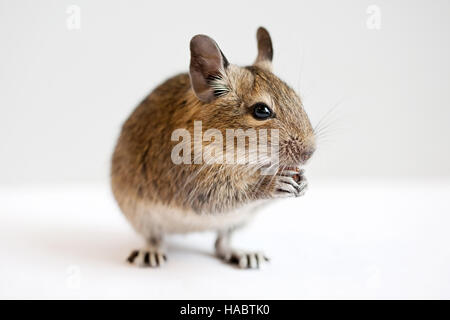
[{"x": 374, "y": 223}]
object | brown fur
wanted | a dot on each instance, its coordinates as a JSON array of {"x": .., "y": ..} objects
[
  {"x": 142, "y": 169},
  {"x": 141, "y": 163}
]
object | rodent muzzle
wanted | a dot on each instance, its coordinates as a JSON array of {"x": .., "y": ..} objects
[
  {"x": 297, "y": 152},
  {"x": 306, "y": 154}
]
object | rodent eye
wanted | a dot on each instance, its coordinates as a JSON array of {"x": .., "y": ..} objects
[{"x": 261, "y": 111}]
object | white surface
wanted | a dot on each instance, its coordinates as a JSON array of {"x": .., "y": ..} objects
[{"x": 339, "y": 241}]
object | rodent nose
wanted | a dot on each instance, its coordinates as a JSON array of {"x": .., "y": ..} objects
[{"x": 306, "y": 154}]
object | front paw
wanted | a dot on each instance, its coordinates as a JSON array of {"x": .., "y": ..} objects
[{"x": 290, "y": 183}]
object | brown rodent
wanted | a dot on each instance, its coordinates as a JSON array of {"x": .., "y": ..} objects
[{"x": 160, "y": 197}]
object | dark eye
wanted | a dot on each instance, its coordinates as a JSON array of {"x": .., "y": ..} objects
[{"x": 261, "y": 111}]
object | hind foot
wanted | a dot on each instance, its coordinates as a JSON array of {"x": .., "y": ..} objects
[
  {"x": 244, "y": 260},
  {"x": 150, "y": 256},
  {"x": 147, "y": 258},
  {"x": 238, "y": 258}
]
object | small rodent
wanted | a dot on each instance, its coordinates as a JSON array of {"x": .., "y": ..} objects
[{"x": 160, "y": 197}]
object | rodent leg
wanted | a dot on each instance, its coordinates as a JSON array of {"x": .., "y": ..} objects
[
  {"x": 239, "y": 258},
  {"x": 152, "y": 255}
]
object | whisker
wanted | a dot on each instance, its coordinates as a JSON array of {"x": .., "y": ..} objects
[{"x": 327, "y": 115}]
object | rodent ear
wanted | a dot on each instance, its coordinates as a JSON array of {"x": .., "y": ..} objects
[
  {"x": 208, "y": 65},
  {"x": 265, "y": 49}
]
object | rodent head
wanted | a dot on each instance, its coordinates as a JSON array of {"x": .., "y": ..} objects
[{"x": 233, "y": 97}]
